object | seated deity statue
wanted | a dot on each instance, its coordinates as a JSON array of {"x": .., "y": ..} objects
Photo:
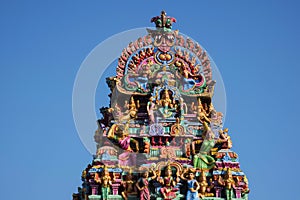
[
  {"x": 190, "y": 80},
  {"x": 168, "y": 190},
  {"x": 132, "y": 107},
  {"x": 167, "y": 105}
]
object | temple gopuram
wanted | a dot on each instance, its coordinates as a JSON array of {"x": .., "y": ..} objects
[{"x": 161, "y": 137}]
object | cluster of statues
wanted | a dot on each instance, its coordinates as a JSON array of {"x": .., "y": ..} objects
[
  {"x": 189, "y": 184},
  {"x": 167, "y": 106}
]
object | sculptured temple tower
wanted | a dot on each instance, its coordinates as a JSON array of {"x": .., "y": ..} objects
[{"x": 161, "y": 137}]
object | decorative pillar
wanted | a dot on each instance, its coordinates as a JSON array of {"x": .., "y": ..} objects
[
  {"x": 115, "y": 187},
  {"x": 218, "y": 191},
  {"x": 94, "y": 189}
]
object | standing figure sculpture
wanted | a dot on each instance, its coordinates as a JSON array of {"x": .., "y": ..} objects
[
  {"x": 229, "y": 184},
  {"x": 105, "y": 182},
  {"x": 142, "y": 186},
  {"x": 201, "y": 114},
  {"x": 193, "y": 187},
  {"x": 192, "y": 184},
  {"x": 204, "y": 186},
  {"x": 150, "y": 110},
  {"x": 216, "y": 185}
]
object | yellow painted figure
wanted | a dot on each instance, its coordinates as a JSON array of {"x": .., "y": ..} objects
[{"x": 229, "y": 183}]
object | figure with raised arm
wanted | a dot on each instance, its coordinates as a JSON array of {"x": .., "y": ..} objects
[
  {"x": 168, "y": 190},
  {"x": 142, "y": 186}
]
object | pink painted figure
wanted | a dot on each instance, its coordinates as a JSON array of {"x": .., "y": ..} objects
[
  {"x": 168, "y": 191},
  {"x": 142, "y": 186}
]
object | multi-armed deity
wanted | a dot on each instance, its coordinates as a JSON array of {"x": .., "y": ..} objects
[{"x": 161, "y": 137}]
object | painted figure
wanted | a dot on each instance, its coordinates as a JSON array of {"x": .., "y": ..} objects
[
  {"x": 131, "y": 113},
  {"x": 120, "y": 133},
  {"x": 225, "y": 139},
  {"x": 168, "y": 191},
  {"x": 203, "y": 160},
  {"x": 150, "y": 108},
  {"x": 246, "y": 189},
  {"x": 192, "y": 185},
  {"x": 201, "y": 114},
  {"x": 204, "y": 186},
  {"x": 216, "y": 185},
  {"x": 142, "y": 186},
  {"x": 129, "y": 182},
  {"x": 105, "y": 182},
  {"x": 167, "y": 106},
  {"x": 229, "y": 184},
  {"x": 190, "y": 80}
]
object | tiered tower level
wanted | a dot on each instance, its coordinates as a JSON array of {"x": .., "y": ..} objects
[{"x": 161, "y": 137}]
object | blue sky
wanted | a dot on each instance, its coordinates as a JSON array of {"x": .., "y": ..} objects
[{"x": 255, "y": 45}]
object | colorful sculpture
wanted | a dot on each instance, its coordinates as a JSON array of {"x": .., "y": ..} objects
[
  {"x": 142, "y": 186},
  {"x": 168, "y": 190},
  {"x": 162, "y": 123}
]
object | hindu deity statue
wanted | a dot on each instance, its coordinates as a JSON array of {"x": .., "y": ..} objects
[
  {"x": 142, "y": 185},
  {"x": 246, "y": 189},
  {"x": 131, "y": 113},
  {"x": 189, "y": 80},
  {"x": 129, "y": 182},
  {"x": 167, "y": 105},
  {"x": 183, "y": 108},
  {"x": 192, "y": 184},
  {"x": 203, "y": 160},
  {"x": 216, "y": 185},
  {"x": 105, "y": 182},
  {"x": 225, "y": 139},
  {"x": 204, "y": 186},
  {"x": 229, "y": 184},
  {"x": 122, "y": 190},
  {"x": 209, "y": 110},
  {"x": 150, "y": 109},
  {"x": 120, "y": 133},
  {"x": 141, "y": 78},
  {"x": 168, "y": 190},
  {"x": 201, "y": 114}
]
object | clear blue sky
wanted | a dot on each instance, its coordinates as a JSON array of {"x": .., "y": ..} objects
[{"x": 255, "y": 45}]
